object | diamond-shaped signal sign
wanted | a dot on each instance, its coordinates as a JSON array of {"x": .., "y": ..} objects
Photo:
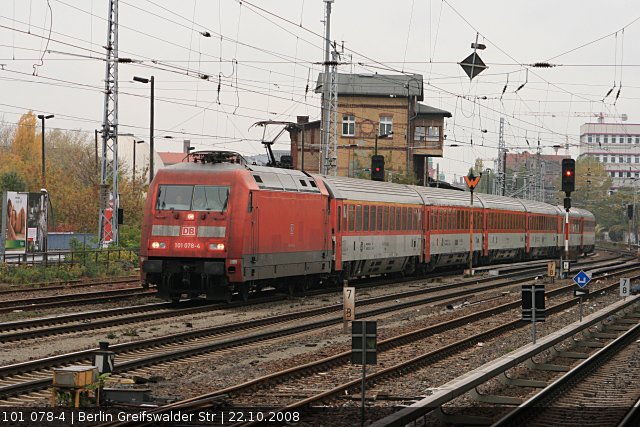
[
  {"x": 582, "y": 279},
  {"x": 473, "y": 65}
]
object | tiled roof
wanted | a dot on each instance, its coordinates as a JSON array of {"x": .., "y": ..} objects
[
  {"x": 376, "y": 84},
  {"x": 427, "y": 110}
]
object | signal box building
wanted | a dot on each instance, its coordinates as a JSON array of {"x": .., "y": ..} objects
[
  {"x": 616, "y": 146},
  {"x": 388, "y": 106}
]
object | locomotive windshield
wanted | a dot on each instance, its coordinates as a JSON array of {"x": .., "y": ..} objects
[{"x": 192, "y": 198}]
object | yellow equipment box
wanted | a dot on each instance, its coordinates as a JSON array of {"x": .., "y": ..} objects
[{"x": 75, "y": 376}]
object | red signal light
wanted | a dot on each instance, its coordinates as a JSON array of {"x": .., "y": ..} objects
[
  {"x": 377, "y": 169},
  {"x": 568, "y": 173}
]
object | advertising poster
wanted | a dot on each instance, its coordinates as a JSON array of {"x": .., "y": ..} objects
[
  {"x": 36, "y": 223},
  {"x": 16, "y": 222}
]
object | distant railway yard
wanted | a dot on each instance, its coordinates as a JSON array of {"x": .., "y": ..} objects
[{"x": 451, "y": 349}]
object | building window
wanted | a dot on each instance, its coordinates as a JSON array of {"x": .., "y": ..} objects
[
  {"x": 637, "y": 159},
  {"x": 628, "y": 159},
  {"x": 598, "y": 139},
  {"x": 621, "y": 159},
  {"x": 433, "y": 131},
  {"x": 606, "y": 139},
  {"x": 613, "y": 159},
  {"x": 629, "y": 174},
  {"x": 620, "y": 174},
  {"x": 386, "y": 125},
  {"x": 420, "y": 133},
  {"x": 604, "y": 159},
  {"x": 589, "y": 138},
  {"x": 637, "y": 139},
  {"x": 613, "y": 174},
  {"x": 630, "y": 140},
  {"x": 348, "y": 125}
]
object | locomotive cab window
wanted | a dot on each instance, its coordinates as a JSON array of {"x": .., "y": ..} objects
[{"x": 188, "y": 197}]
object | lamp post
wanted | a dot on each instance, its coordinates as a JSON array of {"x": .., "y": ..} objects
[
  {"x": 150, "y": 80},
  {"x": 43, "y": 118},
  {"x": 134, "y": 160}
]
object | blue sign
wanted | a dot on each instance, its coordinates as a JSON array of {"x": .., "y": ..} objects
[{"x": 582, "y": 279}]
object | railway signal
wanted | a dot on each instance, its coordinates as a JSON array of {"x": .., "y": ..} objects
[
  {"x": 568, "y": 175},
  {"x": 568, "y": 185},
  {"x": 377, "y": 168}
]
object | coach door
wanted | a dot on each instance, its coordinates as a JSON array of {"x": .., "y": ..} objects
[
  {"x": 336, "y": 236},
  {"x": 254, "y": 218}
]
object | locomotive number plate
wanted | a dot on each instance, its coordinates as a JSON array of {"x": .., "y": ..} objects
[{"x": 187, "y": 245}]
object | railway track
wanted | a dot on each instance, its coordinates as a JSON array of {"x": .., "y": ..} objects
[
  {"x": 599, "y": 391},
  {"x": 94, "y": 320},
  {"x": 67, "y": 285},
  {"x": 29, "y": 376},
  {"x": 85, "y": 298}
]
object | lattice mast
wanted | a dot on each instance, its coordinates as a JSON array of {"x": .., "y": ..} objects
[
  {"x": 326, "y": 93},
  {"x": 332, "y": 154},
  {"x": 109, "y": 197},
  {"x": 501, "y": 166}
]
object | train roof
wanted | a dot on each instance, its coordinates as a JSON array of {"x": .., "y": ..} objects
[
  {"x": 444, "y": 197},
  {"x": 283, "y": 179},
  {"x": 370, "y": 191}
]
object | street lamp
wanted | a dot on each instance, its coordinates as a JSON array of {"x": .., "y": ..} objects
[
  {"x": 43, "y": 118},
  {"x": 145, "y": 80},
  {"x": 134, "y": 159}
]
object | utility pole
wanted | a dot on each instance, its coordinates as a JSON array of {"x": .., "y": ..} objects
[
  {"x": 326, "y": 91},
  {"x": 108, "y": 231}
]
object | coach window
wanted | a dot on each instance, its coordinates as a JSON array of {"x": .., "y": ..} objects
[
  {"x": 366, "y": 218},
  {"x": 398, "y": 219},
  {"x": 352, "y": 217},
  {"x": 358, "y": 217},
  {"x": 385, "y": 218},
  {"x": 372, "y": 218},
  {"x": 379, "y": 217}
]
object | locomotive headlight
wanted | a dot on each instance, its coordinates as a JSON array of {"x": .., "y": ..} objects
[
  {"x": 158, "y": 245},
  {"x": 191, "y": 216},
  {"x": 216, "y": 246}
]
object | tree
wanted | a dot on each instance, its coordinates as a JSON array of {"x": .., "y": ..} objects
[{"x": 10, "y": 181}]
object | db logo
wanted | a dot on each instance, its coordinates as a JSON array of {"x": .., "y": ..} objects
[{"x": 187, "y": 231}]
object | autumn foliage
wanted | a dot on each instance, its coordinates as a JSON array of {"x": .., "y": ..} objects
[{"x": 72, "y": 177}]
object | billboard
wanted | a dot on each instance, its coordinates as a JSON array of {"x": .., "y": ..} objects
[
  {"x": 15, "y": 222},
  {"x": 37, "y": 222},
  {"x": 24, "y": 222}
]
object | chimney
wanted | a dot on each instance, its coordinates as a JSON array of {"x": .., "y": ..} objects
[{"x": 185, "y": 146}]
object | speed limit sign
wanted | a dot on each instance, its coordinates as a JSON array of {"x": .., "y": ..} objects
[{"x": 625, "y": 285}]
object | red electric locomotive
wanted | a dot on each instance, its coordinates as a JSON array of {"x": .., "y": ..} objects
[{"x": 215, "y": 226}]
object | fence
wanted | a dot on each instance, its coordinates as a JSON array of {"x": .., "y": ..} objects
[{"x": 72, "y": 257}]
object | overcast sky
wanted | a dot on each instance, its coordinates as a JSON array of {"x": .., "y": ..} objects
[{"x": 264, "y": 54}]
